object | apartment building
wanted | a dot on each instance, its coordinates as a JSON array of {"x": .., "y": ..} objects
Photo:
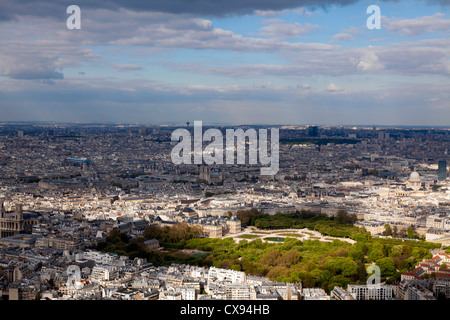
[
  {"x": 370, "y": 292},
  {"x": 240, "y": 292},
  {"x": 102, "y": 273},
  {"x": 226, "y": 275}
]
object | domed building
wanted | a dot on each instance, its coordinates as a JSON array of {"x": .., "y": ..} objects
[
  {"x": 417, "y": 183},
  {"x": 414, "y": 182}
]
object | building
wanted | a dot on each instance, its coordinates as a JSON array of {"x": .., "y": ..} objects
[
  {"x": 234, "y": 225},
  {"x": 226, "y": 275},
  {"x": 314, "y": 294},
  {"x": 370, "y": 292},
  {"x": 442, "y": 287},
  {"x": 339, "y": 293},
  {"x": 414, "y": 290},
  {"x": 152, "y": 244},
  {"x": 313, "y": 131},
  {"x": 59, "y": 242},
  {"x": 212, "y": 229},
  {"x": 438, "y": 222},
  {"x": 414, "y": 182},
  {"x": 104, "y": 258},
  {"x": 412, "y": 275},
  {"x": 442, "y": 170},
  {"x": 77, "y": 162},
  {"x": 205, "y": 174},
  {"x": 240, "y": 292},
  {"x": 21, "y": 240},
  {"x": 102, "y": 273},
  {"x": 373, "y": 226},
  {"x": 17, "y": 222}
]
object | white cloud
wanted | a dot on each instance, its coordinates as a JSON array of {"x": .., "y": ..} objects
[
  {"x": 279, "y": 29},
  {"x": 333, "y": 88},
  {"x": 416, "y": 26},
  {"x": 369, "y": 62},
  {"x": 343, "y": 37}
]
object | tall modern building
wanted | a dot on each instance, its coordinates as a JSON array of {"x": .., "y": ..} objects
[
  {"x": 442, "y": 170},
  {"x": 313, "y": 131}
]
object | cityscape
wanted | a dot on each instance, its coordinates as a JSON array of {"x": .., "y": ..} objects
[
  {"x": 225, "y": 156},
  {"x": 100, "y": 212}
]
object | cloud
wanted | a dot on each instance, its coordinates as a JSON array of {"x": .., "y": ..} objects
[
  {"x": 343, "y": 37},
  {"x": 417, "y": 26},
  {"x": 128, "y": 67},
  {"x": 55, "y": 8},
  {"x": 38, "y": 48},
  {"x": 29, "y": 67},
  {"x": 271, "y": 13},
  {"x": 369, "y": 62},
  {"x": 212, "y": 8},
  {"x": 425, "y": 57},
  {"x": 41, "y": 48},
  {"x": 278, "y": 29},
  {"x": 333, "y": 88},
  {"x": 304, "y": 86}
]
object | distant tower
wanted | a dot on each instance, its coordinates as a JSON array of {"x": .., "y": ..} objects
[
  {"x": 2, "y": 208},
  {"x": 442, "y": 170},
  {"x": 18, "y": 212},
  {"x": 313, "y": 131},
  {"x": 205, "y": 173}
]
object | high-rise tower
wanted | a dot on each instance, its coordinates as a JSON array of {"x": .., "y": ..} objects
[{"x": 442, "y": 170}]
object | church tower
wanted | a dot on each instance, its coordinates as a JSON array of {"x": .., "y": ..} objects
[
  {"x": 18, "y": 213},
  {"x": 2, "y": 208}
]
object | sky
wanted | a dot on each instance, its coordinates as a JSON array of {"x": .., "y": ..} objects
[{"x": 292, "y": 62}]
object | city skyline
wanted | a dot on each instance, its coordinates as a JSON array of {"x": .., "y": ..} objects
[{"x": 293, "y": 63}]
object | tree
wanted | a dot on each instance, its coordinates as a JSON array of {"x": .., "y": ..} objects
[
  {"x": 443, "y": 267},
  {"x": 278, "y": 272},
  {"x": 289, "y": 258},
  {"x": 387, "y": 230},
  {"x": 153, "y": 232},
  {"x": 395, "y": 231},
  {"x": 247, "y": 217},
  {"x": 270, "y": 257},
  {"x": 396, "y": 250},
  {"x": 338, "y": 281},
  {"x": 115, "y": 236},
  {"x": 344, "y": 217},
  {"x": 376, "y": 252},
  {"x": 410, "y": 233},
  {"x": 357, "y": 251},
  {"x": 386, "y": 265},
  {"x": 348, "y": 267}
]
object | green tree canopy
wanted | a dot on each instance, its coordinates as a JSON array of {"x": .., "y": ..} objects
[
  {"x": 376, "y": 252},
  {"x": 387, "y": 266}
]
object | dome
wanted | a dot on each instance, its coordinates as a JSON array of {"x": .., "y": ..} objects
[{"x": 414, "y": 177}]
